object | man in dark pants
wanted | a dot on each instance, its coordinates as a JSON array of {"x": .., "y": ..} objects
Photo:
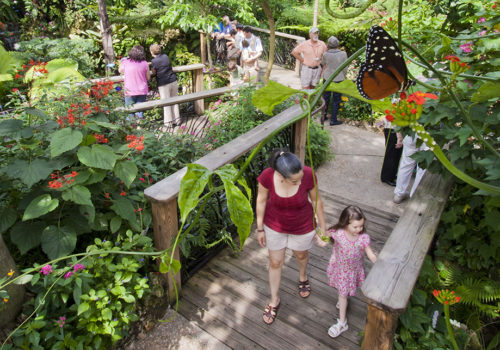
[
  {"x": 331, "y": 60},
  {"x": 393, "y": 150}
]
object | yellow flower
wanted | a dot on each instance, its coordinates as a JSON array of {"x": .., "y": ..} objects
[
  {"x": 345, "y": 99},
  {"x": 340, "y": 109},
  {"x": 5, "y": 300},
  {"x": 10, "y": 273},
  {"x": 341, "y": 104}
]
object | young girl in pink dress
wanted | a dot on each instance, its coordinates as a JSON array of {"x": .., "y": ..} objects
[{"x": 345, "y": 270}]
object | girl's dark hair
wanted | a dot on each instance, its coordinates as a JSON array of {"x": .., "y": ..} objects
[
  {"x": 284, "y": 162},
  {"x": 233, "y": 32},
  {"x": 349, "y": 214},
  {"x": 245, "y": 43},
  {"x": 137, "y": 53}
]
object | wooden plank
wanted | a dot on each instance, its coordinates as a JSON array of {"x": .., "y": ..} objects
[
  {"x": 390, "y": 282},
  {"x": 199, "y": 105},
  {"x": 144, "y": 106},
  {"x": 213, "y": 326},
  {"x": 247, "y": 310},
  {"x": 165, "y": 227},
  {"x": 176, "y": 69},
  {"x": 203, "y": 48},
  {"x": 169, "y": 187},
  {"x": 312, "y": 315},
  {"x": 300, "y": 139},
  {"x": 319, "y": 306},
  {"x": 379, "y": 334},
  {"x": 283, "y": 35}
]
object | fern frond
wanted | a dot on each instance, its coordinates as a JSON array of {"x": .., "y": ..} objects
[{"x": 483, "y": 294}]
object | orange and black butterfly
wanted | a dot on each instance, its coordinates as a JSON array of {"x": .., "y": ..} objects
[{"x": 384, "y": 71}]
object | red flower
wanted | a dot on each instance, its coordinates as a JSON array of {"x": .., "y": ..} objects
[
  {"x": 419, "y": 97},
  {"x": 123, "y": 194},
  {"x": 15, "y": 90},
  {"x": 17, "y": 76}
]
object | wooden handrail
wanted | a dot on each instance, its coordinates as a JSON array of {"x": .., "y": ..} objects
[
  {"x": 197, "y": 68},
  {"x": 389, "y": 285},
  {"x": 283, "y": 35},
  {"x": 144, "y": 106},
  {"x": 163, "y": 194}
]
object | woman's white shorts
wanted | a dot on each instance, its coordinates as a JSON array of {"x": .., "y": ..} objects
[{"x": 277, "y": 240}]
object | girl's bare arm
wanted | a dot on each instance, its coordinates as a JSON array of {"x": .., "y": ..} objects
[{"x": 370, "y": 254}]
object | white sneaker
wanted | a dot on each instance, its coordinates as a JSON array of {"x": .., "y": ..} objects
[
  {"x": 335, "y": 330},
  {"x": 399, "y": 198},
  {"x": 337, "y": 305}
]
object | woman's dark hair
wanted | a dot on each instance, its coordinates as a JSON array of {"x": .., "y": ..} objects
[
  {"x": 284, "y": 162},
  {"x": 245, "y": 43},
  {"x": 233, "y": 32},
  {"x": 349, "y": 214},
  {"x": 137, "y": 53}
]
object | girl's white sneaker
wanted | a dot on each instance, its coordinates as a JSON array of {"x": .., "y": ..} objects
[{"x": 335, "y": 330}]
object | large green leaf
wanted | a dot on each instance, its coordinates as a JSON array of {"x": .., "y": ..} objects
[
  {"x": 347, "y": 87},
  {"x": 27, "y": 235},
  {"x": 124, "y": 208},
  {"x": 8, "y": 217},
  {"x": 36, "y": 113},
  {"x": 487, "y": 91},
  {"x": 78, "y": 194},
  {"x": 59, "y": 63},
  {"x": 64, "y": 140},
  {"x": 39, "y": 206},
  {"x": 30, "y": 173},
  {"x": 192, "y": 186},
  {"x": 7, "y": 63},
  {"x": 115, "y": 223},
  {"x": 240, "y": 208},
  {"x": 272, "y": 94},
  {"x": 57, "y": 242},
  {"x": 64, "y": 74},
  {"x": 99, "y": 156},
  {"x": 126, "y": 170},
  {"x": 9, "y": 126},
  {"x": 95, "y": 176}
]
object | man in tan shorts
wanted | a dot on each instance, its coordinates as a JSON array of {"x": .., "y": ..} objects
[{"x": 309, "y": 53}]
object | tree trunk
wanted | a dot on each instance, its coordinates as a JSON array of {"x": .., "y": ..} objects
[
  {"x": 209, "y": 51},
  {"x": 315, "y": 16},
  {"x": 272, "y": 38},
  {"x": 16, "y": 292},
  {"x": 107, "y": 40}
]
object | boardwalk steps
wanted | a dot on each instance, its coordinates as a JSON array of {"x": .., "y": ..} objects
[{"x": 226, "y": 298}]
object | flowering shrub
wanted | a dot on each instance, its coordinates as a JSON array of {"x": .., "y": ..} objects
[{"x": 91, "y": 303}]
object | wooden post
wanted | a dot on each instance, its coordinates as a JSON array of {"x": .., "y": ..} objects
[
  {"x": 379, "y": 329},
  {"x": 165, "y": 225},
  {"x": 297, "y": 62},
  {"x": 199, "y": 105},
  {"x": 300, "y": 139},
  {"x": 203, "y": 47}
]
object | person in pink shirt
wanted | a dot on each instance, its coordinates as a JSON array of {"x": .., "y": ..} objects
[
  {"x": 309, "y": 53},
  {"x": 285, "y": 219},
  {"x": 135, "y": 72}
]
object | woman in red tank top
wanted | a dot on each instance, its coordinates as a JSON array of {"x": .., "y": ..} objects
[{"x": 285, "y": 219}]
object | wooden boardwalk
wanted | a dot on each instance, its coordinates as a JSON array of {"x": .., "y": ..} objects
[{"x": 226, "y": 298}]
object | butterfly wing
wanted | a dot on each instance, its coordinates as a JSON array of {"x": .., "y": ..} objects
[{"x": 384, "y": 71}]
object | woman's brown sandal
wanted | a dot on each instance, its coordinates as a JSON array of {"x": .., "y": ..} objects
[
  {"x": 304, "y": 289},
  {"x": 270, "y": 313}
]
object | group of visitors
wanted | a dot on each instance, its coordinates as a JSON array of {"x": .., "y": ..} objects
[
  {"x": 240, "y": 48},
  {"x": 136, "y": 74},
  {"x": 321, "y": 61},
  {"x": 286, "y": 218}
]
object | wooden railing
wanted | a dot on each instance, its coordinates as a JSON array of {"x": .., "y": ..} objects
[
  {"x": 390, "y": 283},
  {"x": 197, "y": 79},
  {"x": 163, "y": 195}
]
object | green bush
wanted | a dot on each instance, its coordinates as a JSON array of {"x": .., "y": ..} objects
[
  {"x": 88, "y": 303},
  {"x": 83, "y": 51},
  {"x": 354, "y": 109}
]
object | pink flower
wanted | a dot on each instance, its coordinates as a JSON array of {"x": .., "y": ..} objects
[
  {"x": 68, "y": 275},
  {"x": 482, "y": 32},
  {"x": 466, "y": 47},
  {"x": 78, "y": 267},
  {"x": 61, "y": 321},
  {"x": 46, "y": 270},
  {"x": 481, "y": 20},
  {"x": 183, "y": 127},
  {"x": 142, "y": 179}
]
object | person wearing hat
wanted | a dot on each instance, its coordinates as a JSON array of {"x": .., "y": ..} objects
[
  {"x": 309, "y": 53},
  {"x": 331, "y": 60}
]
